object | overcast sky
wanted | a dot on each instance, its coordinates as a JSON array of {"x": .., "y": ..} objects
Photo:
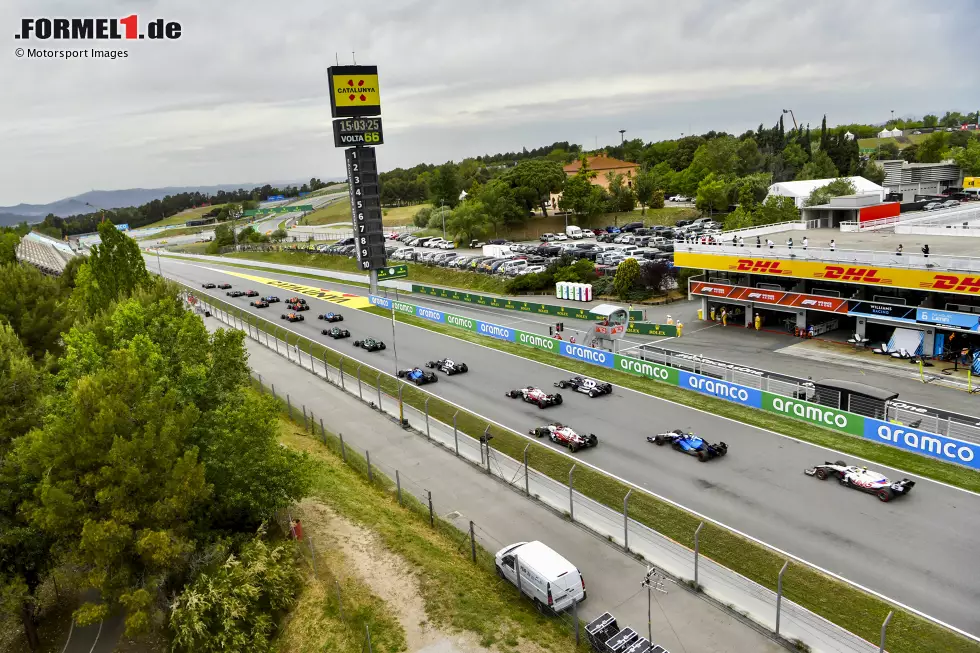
[{"x": 242, "y": 96}]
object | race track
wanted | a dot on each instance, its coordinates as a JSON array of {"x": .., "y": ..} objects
[{"x": 919, "y": 550}]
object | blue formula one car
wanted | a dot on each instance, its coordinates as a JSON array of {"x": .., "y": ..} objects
[
  {"x": 418, "y": 376},
  {"x": 690, "y": 444}
]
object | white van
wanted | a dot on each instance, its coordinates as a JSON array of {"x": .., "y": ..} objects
[
  {"x": 547, "y": 578},
  {"x": 512, "y": 267},
  {"x": 573, "y": 232}
]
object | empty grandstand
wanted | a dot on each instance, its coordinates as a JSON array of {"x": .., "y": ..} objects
[{"x": 47, "y": 254}]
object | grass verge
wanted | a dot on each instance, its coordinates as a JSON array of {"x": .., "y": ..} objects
[
  {"x": 842, "y": 604},
  {"x": 457, "y": 593},
  {"x": 399, "y": 216},
  {"x": 338, "y": 211}
]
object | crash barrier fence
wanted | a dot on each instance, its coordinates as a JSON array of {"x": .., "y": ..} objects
[
  {"x": 911, "y": 439},
  {"x": 797, "y": 388},
  {"x": 682, "y": 564}
]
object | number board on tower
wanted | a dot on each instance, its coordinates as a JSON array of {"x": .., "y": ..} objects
[
  {"x": 357, "y": 131},
  {"x": 365, "y": 206}
]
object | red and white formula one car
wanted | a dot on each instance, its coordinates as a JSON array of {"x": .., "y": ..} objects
[
  {"x": 861, "y": 478},
  {"x": 561, "y": 434},
  {"x": 533, "y": 395}
]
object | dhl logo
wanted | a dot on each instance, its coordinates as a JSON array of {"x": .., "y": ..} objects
[
  {"x": 954, "y": 283},
  {"x": 856, "y": 275},
  {"x": 760, "y": 267}
]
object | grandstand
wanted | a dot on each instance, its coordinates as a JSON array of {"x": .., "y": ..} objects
[{"x": 47, "y": 254}]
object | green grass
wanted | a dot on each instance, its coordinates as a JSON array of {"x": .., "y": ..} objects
[
  {"x": 457, "y": 593},
  {"x": 471, "y": 281},
  {"x": 912, "y": 139},
  {"x": 329, "y": 214},
  {"x": 293, "y": 274},
  {"x": 184, "y": 216},
  {"x": 399, "y": 216},
  {"x": 180, "y": 231},
  {"x": 838, "y": 602}
]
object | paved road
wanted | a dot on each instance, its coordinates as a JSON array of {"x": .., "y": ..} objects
[
  {"x": 919, "y": 551},
  {"x": 681, "y": 621}
]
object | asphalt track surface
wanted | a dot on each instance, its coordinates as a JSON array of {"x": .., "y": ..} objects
[{"x": 920, "y": 550}]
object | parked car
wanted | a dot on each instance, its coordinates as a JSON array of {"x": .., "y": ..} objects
[
  {"x": 560, "y": 236},
  {"x": 547, "y": 237},
  {"x": 932, "y": 206},
  {"x": 573, "y": 232},
  {"x": 632, "y": 226},
  {"x": 948, "y": 204}
]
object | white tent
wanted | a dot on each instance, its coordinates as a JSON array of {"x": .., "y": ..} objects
[
  {"x": 848, "y": 136},
  {"x": 890, "y": 133},
  {"x": 800, "y": 190}
]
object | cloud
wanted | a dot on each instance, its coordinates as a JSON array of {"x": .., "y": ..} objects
[{"x": 242, "y": 95}]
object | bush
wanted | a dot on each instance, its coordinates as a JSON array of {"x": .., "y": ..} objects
[
  {"x": 627, "y": 275},
  {"x": 421, "y": 217},
  {"x": 602, "y": 286},
  {"x": 530, "y": 282}
]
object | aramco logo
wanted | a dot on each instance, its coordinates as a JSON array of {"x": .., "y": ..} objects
[{"x": 353, "y": 90}]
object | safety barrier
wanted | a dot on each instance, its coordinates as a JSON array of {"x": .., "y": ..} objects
[{"x": 910, "y": 439}]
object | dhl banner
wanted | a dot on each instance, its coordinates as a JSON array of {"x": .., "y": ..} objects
[
  {"x": 763, "y": 296},
  {"x": 960, "y": 283},
  {"x": 345, "y": 299}
]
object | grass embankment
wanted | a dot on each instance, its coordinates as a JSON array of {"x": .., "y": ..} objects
[
  {"x": 471, "y": 281},
  {"x": 183, "y": 216},
  {"x": 457, "y": 594},
  {"x": 838, "y": 602},
  {"x": 904, "y": 142},
  {"x": 338, "y": 211}
]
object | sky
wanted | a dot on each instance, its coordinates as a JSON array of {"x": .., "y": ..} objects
[{"x": 242, "y": 95}]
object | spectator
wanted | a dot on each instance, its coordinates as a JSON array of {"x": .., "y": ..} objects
[
  {"x": 925, "y": 250},
  {"x": 833, "y": 245},
  {"x": 734, "y": 241},
  {"x": 770, "y": 243},
  {"x": 741, "y": 242},
  {"x": 898, "y": 250},
  {"x": 806, "y": 241},
  {"x": 758, "y": 241},
  {"x": 789, "y": 243}
]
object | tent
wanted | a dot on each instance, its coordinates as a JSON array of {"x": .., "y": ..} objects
[{"x": 800, "y": 190}]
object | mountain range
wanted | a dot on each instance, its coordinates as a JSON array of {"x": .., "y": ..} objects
[{"x": 115, "y": 199}]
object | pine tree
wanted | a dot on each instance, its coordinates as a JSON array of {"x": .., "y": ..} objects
[
  {"x": 806, "y": 141},
  {"x": 823, "y": 133}
]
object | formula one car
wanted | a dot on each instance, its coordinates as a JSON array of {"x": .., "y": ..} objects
[
  {"x": 224, "y": 286},
  {"x": 561, "y": 434},
  {"x": 207, "y": 285},
  {"x": 331, "y": 317},
  {"x": 861, "y": 478},
  {"x": 261, "y": 303},
  {"x": 448, "y": 366},
  {"x": 534, "y": 395},
  {"x": 369, "y": 344},
  {"x": 295, "y": 300},
  {"x": 235, "y": 293},
  {"x": 336, "y": 333},
  {"x": 297, "y": 307},
  {"x": 690, "y": 444},
  {"x": 251, "y": 293},
  {"x": 292, "y": 317},
  {"x": 591, "y": 387},
  {"x": 272, "y": 299},
  {"x": 418, "y": 376}
]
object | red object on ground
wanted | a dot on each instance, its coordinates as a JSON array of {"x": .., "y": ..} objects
[
  {"x": 297, "y": 527},
  {"x": 879, "y": 211}
]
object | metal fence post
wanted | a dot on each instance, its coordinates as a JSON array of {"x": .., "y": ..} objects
[
  {"x": 340, "y": 601},
  {"x": 427, "y": 436},
  {"x": 571, "y": 499},
  {"x": 305, "y": 424},
  {"x": 379, "y": 392},
  {"x": 367, "y": 455},
  {"x": 527, "y": 486},
  {"x": 341, "y": 367},
  {"x": 274, "y": 392},
  {"x": 779, "y": 593},
  {"x": 626, "y": 520},
  {"x": 343, "y": 448},
  {"x": 326, "y": 368},
  {"x": 398, "y": 486},
  {"x": 289, "y": 405},
  {"x": 367, "y": 629},
  {"x": 472, "y": 542},
  {"x": 432, "y": 519},
  {"x": 359, "y": 393},
  {"x": 884, "y": 626},
  {"x": 456, "y": 433},
  {"x": 323, "y": 432},
  {"x": 697, "y": 552}
]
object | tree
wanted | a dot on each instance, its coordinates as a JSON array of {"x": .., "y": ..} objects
[
  {"x": 777, "y": 209},
  {"x": 740, "y": 218},
  {"x": 444, "y": 186},
  {"x": 33, "y": 305},
  {"x": 622, "y": 199},
  {"x": 930, "y": 120},
  {"x": 656, "y": 276},
  {"x": 952, "y": 119},
  {"x": 236, "y": 606},
  {"x": 824, "y": 142},
  {"x": 501, "y": 205},
  {"x": 712, "y": 195},
  {"x": 819, "y": 167},
  {"x": 887, "y": 151},
  {"x": 534, "y": 182},
  {"x": 114, "y": 269},
  {"x": 910, "y": 153},
  {"x": 836, "y": 188},
  {"x": 719, "y": 155},
  {"x": 959, "y": 138},
  {"x": 933, "y": 149},
  {"x": 279, "y": 235},
  {"x": 422, "y": 217},
  {"x": 645, "y": 188},
  {"x": 21, "y": 389},
  {"x": 873, "y": 172},
  {"x": 580, "y": 195},
  {"x": 657, "y": 201},
  {"x": 750, "y": 159},
  {"x": 8, "y": 248},
  {"x": 468, "y": 221},
  {"x": 968, "y": 158},
  {"x": 627, "y": 275},
  {"x": 683, "y": 154},
  {"x": 663, "y": 177},
  {"x": 794, "y": 157}
]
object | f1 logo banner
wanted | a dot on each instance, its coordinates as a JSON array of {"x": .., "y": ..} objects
[
  {"x": 587, "y": 354},
  {"x": 495, "y": 331},
  {"x": 923, "y": 443},
  {"x": 733, "y": 392}
]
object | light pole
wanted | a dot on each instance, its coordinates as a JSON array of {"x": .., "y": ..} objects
[
  {"x": 622, "y": 137},
  {"x": 790, "y": 112},
  {"x": 442, "y": 211}
]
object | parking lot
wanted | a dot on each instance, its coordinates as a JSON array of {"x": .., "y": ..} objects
[{"x": 607, "y": 248}]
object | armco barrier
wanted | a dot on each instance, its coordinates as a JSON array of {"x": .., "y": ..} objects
[{"x": 921, "y": 442}]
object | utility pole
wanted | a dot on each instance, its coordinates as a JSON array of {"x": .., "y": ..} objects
[
  {"x": 654, "y": 580},
  {"x": 622, "y": 136},
  {"x": 442, "y": 211}
]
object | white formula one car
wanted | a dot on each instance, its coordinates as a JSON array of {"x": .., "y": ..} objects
[
  {"x": 861, "y": 478},
  {"x": 561, "y": 434},
  {"x": 533, "y": 395}
]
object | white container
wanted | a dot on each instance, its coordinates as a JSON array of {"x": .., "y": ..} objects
[
  {"x": 558, "y": 289},
  {"x": 588, "y": 292},
  {"x": 578, "y": 291}
]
